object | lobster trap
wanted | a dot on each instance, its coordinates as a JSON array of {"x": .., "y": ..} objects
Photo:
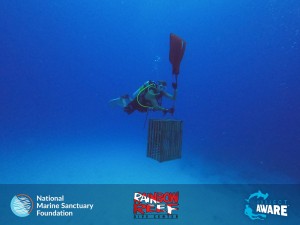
[{"x": 164, "y": 139}]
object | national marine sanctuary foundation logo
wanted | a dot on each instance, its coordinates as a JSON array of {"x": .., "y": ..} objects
[
  {"x": 156, "y": 205},
  {"x": 47, "y": 206},
  {"x": 259, "y": 205},
  {"x": 21, "y": 205}
]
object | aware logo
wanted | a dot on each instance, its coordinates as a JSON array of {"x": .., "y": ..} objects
[
  {"x": 264, "y": 206},
  {"x": 21, "y": 205}
]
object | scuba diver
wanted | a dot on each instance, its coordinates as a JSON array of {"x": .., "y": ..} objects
[{"x": 147, "y": 97}]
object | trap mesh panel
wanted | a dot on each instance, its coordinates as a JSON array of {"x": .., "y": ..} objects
[{"x": 164, "y": 139}]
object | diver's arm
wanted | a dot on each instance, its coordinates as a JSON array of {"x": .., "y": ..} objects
[
  {"x": 168, "y": 95},
  {"x": 156, "y": 106},
  {"x": 151, "y": 97}
]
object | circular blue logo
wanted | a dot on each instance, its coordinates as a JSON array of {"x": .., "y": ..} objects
[
  {"x": 21, "y": 205},
  {"x": 249, "y": 211}
]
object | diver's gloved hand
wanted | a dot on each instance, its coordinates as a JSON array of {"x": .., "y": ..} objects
[
  {"x": 174, "y": 85},
  {"x": 170, "y": 110}
]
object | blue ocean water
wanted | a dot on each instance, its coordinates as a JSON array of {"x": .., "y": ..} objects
[{"x": 238, "y": 90}]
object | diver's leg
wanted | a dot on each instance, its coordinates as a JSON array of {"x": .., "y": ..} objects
[
  {"x": 125, "y": 100},
  {"x": 122, "y": 101}
]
